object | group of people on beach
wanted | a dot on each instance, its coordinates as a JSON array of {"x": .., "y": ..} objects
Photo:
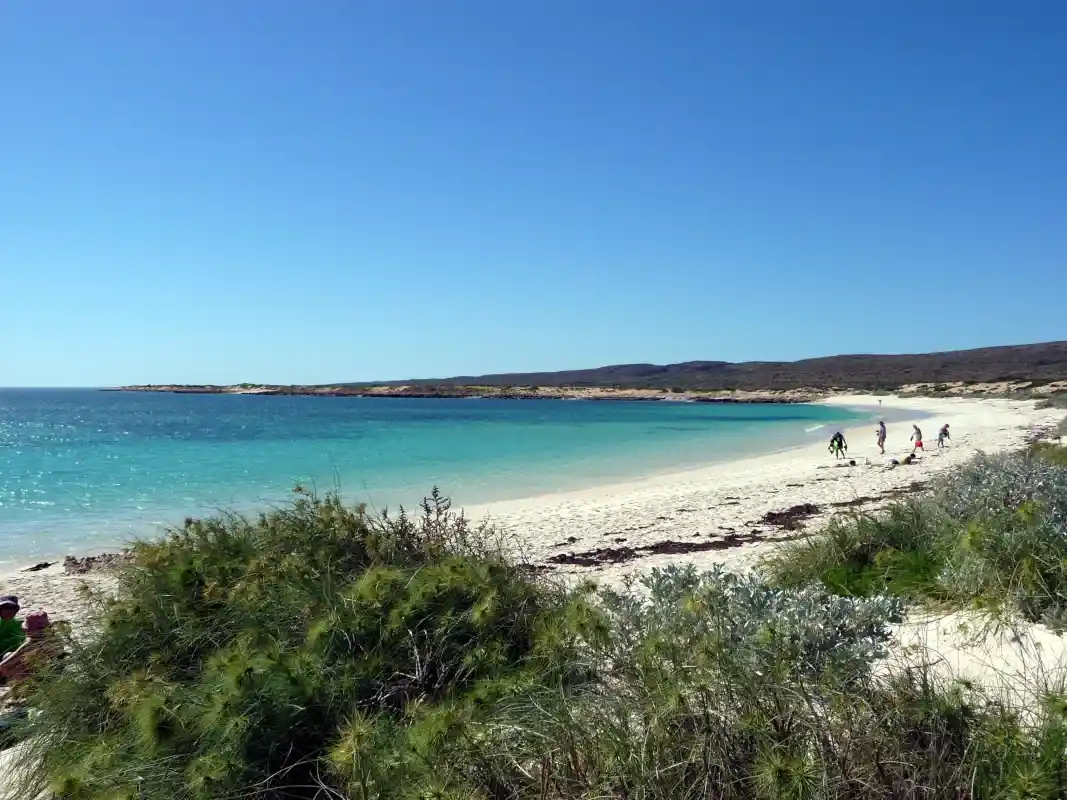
[
  {"x": 25, "y": 644},
  {"x": 839, "y": 447}
]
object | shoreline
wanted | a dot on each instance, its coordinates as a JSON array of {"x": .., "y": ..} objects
[
  {"x": 725, "y": 513},
  {"x": 741, "y": 389},
  {"x": 604, "y": 466},
  {"x": 480, "y": 392},
  {"x": 722, "y": 508}
]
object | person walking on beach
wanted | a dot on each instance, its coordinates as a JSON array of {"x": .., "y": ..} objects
[
  {"x": 838, "y": 445},
  {"x": 881, "y": 436},
  {"x": 942, "y": 435},
  {"x": 917, "y": 437}
]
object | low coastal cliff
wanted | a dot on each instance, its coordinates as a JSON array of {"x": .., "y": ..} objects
[
  {"x": 498, "y": 392},
  {"x": 1011, "y": 389},
  {"x": 1017, "y": 371}
]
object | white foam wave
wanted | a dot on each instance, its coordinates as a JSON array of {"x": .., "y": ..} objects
[{"x": 814, "y": 428}]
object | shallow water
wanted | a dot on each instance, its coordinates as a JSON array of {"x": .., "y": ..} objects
[{"x": 83, "y": 469}]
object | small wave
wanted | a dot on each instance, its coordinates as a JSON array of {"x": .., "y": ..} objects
[{"x": 814, "y": 428}]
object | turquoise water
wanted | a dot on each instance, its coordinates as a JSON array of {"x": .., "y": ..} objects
[{"x": 82, "y": 470}]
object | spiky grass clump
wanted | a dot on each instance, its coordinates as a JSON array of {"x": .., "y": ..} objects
[
  {"x": 992, "y": 534},
  {"x": 314, "y": 646}
]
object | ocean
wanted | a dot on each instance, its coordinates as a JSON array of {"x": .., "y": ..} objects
[{"x": 84, "y": 470}]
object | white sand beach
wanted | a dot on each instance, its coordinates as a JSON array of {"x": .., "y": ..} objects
[
  {"x": 719, "y": 506},
  {"x": 711, "y": 503}
]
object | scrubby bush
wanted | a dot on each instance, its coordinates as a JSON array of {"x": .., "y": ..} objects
[
  {"x": 992, "y": 533},
  {"x": 713, "y": 686},
  {"x": 320, "y": 652},
  {"x": 1053, "y": 400},
  {"x": 1054, "y": 453},
  {"x": 313, "y": 646},
  {"x": 679, "y": 614}
]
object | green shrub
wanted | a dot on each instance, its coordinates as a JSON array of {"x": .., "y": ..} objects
[
  {"x": 714, "y": 686},
  {"x": 893, "y": 551},
  {"x": 1054, "y": 400},
  {"x": 1054, "y": 453},
  {"x": 319, "y": 652},
  {"x": 991, "y": 533},
  {"x": 313, "y": 645}
]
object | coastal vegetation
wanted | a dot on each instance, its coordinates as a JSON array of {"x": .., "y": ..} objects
[
  {"x": 321, "y": 651},
  {"x": 989, "y": 535}
]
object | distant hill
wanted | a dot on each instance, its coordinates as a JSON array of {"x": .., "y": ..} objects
[{"x": 1040, "y": 363}]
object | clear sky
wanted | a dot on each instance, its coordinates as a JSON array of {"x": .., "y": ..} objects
[{"x": 255, "y": 190}]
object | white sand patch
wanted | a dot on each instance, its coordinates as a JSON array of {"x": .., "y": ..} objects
[{"x": 1017, "y": 663}]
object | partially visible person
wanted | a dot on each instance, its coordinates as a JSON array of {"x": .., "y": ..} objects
[
  {"x": 908, "y": 459},
  {"x": 11, "y": 633},
  {"x": 38, "y": 649},
  {"x": 942, "y": 435},
  {"x": 838, "y": 445},
  {"x": 881, "y": 436},
  {"x": 917, "y": 437}
]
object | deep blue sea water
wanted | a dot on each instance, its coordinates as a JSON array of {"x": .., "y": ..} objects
[{"x": 82, "y": 470}]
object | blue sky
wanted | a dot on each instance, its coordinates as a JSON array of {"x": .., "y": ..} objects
[{"x": 254, "y": 190}]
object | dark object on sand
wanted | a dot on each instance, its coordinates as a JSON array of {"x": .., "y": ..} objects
[
  {"x": 39, "y": 567},
  {"x": 792, "y": 518},
  {"x": 616, "y": 555},
  {"x": 102, "y": 562}
]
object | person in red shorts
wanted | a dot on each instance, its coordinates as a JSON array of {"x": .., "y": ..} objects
[{"x": 917, "y": 437}]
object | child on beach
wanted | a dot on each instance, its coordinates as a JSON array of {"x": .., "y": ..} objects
[
  {"x": 917, "y": 437},
  {"x": 942, "y": 435},
  {"x": 880, "y": 433},
  {"x": 11, "y": 633},
  {"x": 39, "y": 647}
]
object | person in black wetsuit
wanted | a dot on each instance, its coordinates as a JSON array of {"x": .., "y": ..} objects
[
  {"x": 942, "y": 435},
  {"x": 838, "y": 445}
]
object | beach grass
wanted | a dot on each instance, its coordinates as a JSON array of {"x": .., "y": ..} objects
[
  {"x": 320, "y": 651},
  {"x": 989, "y": 535},
  {"x": 1054, "y": 400}
]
